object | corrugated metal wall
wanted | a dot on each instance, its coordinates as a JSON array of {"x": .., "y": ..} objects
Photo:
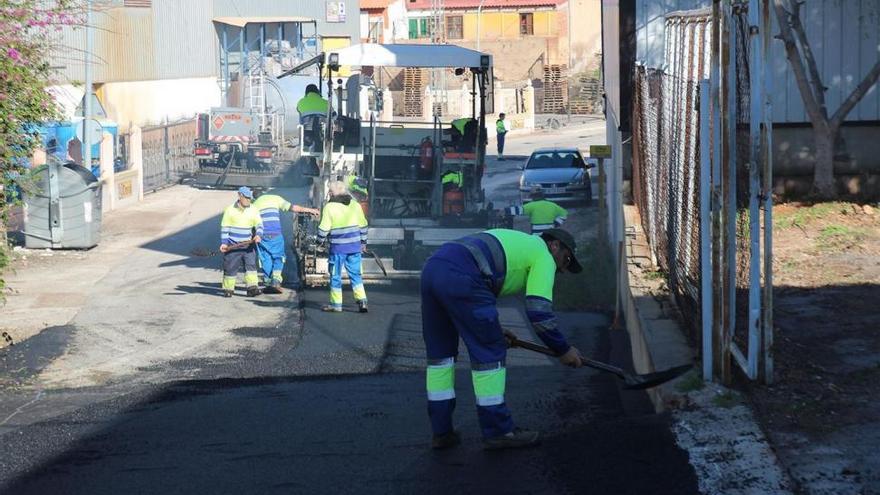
[
  {"x": 185, "y": 41},
  {"x": 175, "y": 39},
  {"x": 845, "y": 37}
]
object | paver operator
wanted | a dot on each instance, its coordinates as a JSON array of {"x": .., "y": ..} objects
[
  {"x": 460, "y": 285},
  {"x": 344, "y": 224},
  {"x": 501, "y": 130},
  {"x": 543, "y": 214},
  {"x": 240, "y": 230},
  {"x": 311, "y": 108},
  {"x": 271, "y": 247}
]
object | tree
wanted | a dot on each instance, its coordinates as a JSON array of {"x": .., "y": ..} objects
[
  {"x": 27, "y": 29},
  {"x": 826, "y": 129}
]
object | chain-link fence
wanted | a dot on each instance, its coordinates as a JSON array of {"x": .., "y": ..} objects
[
  {"x": 666, "y": 126},
  {"x": 673, "y": 175}
]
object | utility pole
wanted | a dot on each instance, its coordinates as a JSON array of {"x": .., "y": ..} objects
[
  {"x": 479, "y": 22},
  {"x": 87, "y": 101},
  {"x": 568, "y": 80}
]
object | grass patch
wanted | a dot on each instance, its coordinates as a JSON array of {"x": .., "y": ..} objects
[
  {"x": 726, "y": 400},
  {"x": 838, "y": 236},
  {"x": 654, "y": 275},
  {"x": 593, "y": 287},
  {"x": 690, "y": 383},
  {"x": 801, "y": 216}
]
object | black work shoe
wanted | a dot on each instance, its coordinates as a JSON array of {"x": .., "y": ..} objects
[
  {"x": 362, "y": 307},
  {"x": 517, "y": 438},
  {"x": 253, "y": 291},
  {"x": 272, "y": 289},
  {"x": 228, "y": 293},
  {"x": 446, "y": 440},
  {"x": 329, "y": 308}
]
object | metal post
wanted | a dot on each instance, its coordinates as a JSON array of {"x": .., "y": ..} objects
[
  {"x": 568, "y": 80},
  {"x": 718, "y": 350},
  {"x": 262, "y": 44},
  {"x": 87, "y": 99},
  {"x": 166, "y": 152},
  {"x": 479, "y": 22},
  {"x": 705, "y": 227},
  {"x": 767, "y": 135},
  {"x": 729, "y": 148},
  {"x": 756, "y": 116},
  {"x": 225, "y": 62}
]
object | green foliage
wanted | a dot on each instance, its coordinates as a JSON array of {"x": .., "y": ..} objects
[
  {"x": 802, "y": 216},
  {"x": 27, "y": 28},
  {"x": 691, "y": 382},
  {"x": 840, "y": 236}
]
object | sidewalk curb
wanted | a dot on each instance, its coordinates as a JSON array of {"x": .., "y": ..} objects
[{"x": 710, "y": 421}]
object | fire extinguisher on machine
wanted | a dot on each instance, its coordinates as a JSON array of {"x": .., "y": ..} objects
[{"x": 426, "y": 158}]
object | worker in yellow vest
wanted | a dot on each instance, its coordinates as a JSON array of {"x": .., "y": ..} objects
[
  {"x": 241, "y": 230},
  {"x": 343, "y": 224},
  {"x": 543, "y": 214}
]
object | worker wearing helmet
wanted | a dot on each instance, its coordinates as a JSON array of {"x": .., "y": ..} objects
[
  {"x": 240, "y": 230},
  {"x": 344, "y": 225},
  {"x": 460, "y": 286},
  {"x": 271, "y": 249},
  {"x": 543, "y": 214}
]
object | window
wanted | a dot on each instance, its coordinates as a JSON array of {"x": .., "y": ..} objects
[
  {"x": 555, "y": 159},
  {"x": 419, "y": 28},
  {"x": 375, "y": 32},
  {"x": 526, "y": 24},
  {"x": 454, "y": 27},
  {"x": 136, "y": 3}
]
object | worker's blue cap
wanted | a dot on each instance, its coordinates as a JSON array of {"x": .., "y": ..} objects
[{"x": 246, "y": 192}]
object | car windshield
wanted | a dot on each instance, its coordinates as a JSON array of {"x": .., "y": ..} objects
[{"x": 555, "y": 159}]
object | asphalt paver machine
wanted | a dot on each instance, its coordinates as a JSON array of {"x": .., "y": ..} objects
[{"x": 400, "y": 162}]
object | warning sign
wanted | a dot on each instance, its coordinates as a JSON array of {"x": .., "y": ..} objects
[
  {"x": 600, "y": 151},
  {"x": 218, "y": 122}
]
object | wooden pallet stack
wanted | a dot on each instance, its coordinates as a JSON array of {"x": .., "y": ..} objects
[
  {"x": 586, "y": 97},
  {"x": 413, "y": 88},
  {"x": 555, "y": 88}
]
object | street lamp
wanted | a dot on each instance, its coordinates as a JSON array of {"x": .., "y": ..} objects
[{"x": 479, "y": 21}]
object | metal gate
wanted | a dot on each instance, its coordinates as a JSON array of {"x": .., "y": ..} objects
[{"x": 168, "y": 153}]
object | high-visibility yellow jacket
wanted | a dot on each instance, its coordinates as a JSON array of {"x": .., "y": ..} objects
[
  {"x": 240, "y": 224},
  {"x": 344, "y": 223},
  {"x": 312, "y": 104},
  {"x": 542, "y": 214}
]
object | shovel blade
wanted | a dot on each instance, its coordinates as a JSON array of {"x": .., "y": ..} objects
[{"x": 650, "y": 380}]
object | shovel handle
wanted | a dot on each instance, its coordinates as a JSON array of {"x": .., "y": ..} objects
[{"x": 532, "y": 346}]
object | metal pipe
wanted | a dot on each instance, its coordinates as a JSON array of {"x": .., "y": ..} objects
[
  {"x": 756, "y": 116},
  {"x": 570, "y": 68},
  {"x": 87, "y": 99},
  {"x": 705, "y": 226},
  {"x": 479, "y": 22},
  {"x": 767, "y": 133}
]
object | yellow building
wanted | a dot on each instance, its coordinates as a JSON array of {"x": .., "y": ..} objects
[{"x": 523, "y": 35}]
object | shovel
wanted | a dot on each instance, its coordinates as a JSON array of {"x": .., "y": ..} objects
[{"x": 631, "y": 381}]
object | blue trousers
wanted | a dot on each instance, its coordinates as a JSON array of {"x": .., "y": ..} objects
[
  {"x": 500, "y": 144},
  {"x": 352, "y": 264},
  {"x": 272, "y": 258},
  {"x": 457, "y": 302}
]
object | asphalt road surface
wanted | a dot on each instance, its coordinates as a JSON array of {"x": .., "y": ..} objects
[{"x": 161, "y": 386}]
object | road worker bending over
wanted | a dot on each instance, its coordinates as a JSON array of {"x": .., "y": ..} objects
[
  {"x": 460, "y": 286},
  {"x": 343, "y": 222},
  {"x": 241, "y": 230},
  {"x": 543, "y": 214},
  {"x": 271, "y": 247}
]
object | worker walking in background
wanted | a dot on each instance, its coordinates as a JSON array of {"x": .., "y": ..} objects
[
  {"x": 460, "y": 286},
  {"x": 241, "y": 230},
  {"x": 543, "y": 214},
  {"x": 271, "y": 248},
  {"x": 501, "y": 129},
  {"x": 344, "y": 224}
]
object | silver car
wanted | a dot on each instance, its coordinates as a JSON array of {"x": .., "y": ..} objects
[{"x": 562, "y": 173}]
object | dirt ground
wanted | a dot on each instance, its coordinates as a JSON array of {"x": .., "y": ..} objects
[{"x": 823, "y": 410}]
